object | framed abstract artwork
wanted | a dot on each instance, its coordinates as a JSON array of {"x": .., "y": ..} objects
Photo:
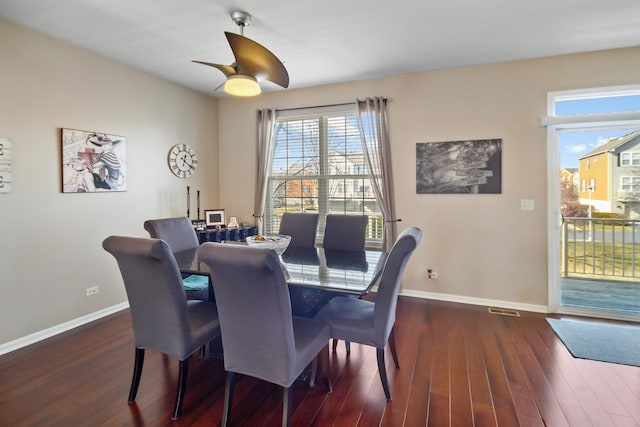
[
  {"x": 93, "y": 162},
  {"x": 459, "y": 167}
]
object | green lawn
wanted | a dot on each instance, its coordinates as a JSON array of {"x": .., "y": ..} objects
[{"x": 609, "y": 260}]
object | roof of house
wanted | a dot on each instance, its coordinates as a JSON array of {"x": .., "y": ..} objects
[{"x": 618, "y": 144}]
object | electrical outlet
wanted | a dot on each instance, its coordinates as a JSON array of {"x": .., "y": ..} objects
[{"x": 91, "y": 291}]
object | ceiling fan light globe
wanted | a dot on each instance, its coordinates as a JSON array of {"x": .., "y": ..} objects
[{"x": 242, "y": 85}]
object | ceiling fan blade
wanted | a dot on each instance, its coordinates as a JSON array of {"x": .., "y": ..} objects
[
  {"x": 219, "y": 87},
  {"x": 255, "y": 60},
  {"x": 227, "y": 70}
]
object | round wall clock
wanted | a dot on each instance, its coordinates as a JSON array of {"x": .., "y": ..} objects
[{"x": 183, "y": 160}]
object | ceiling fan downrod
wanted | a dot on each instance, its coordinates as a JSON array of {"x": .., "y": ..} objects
[{"x": 241, "y": 19}]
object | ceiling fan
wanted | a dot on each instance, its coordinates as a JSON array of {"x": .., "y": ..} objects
[{"x": 254, "y": 63}]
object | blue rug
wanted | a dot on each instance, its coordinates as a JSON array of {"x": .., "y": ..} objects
[{"x": 601, "y": 341}]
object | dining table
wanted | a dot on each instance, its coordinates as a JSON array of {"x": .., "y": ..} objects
[{"x": 314, "y": 275}]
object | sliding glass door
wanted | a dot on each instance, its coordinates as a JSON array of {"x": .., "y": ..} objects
[{"x": 594, "y": 202}]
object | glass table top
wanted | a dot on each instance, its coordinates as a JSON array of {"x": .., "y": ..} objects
[{"x": 353, "y": 272}]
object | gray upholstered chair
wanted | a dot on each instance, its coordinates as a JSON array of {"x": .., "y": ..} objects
[
  {"x": 163, "y": 319},
  {"x": 345, "y": 232},
  {"x": 177, "y": 232},
  {"x": 180, "y": 236},
  {"x": 371, "y": 323},
  {"x": 302, "y": 227},
  {"x": 260, "y": 337}
]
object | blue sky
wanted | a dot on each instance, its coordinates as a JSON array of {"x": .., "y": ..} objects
[{"x": 573, "y": 145}]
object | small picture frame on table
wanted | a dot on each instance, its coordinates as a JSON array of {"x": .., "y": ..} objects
[
  {"x": 214, "y": 218},
  {"x": 199, "y": 224}
]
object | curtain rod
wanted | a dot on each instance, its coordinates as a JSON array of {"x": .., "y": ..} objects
[
  {"x": 342, "y": 104},
  {"x": 315, "y": 106}
]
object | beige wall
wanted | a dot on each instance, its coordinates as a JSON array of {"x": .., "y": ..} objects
[
  {"x": 484, "y": 247},
  {"x": 50, "y": 243}
]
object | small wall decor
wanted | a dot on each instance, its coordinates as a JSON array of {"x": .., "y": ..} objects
[
  {"x": 5, "y": 165},
  {"x": 93, "y": 162},
  {"x": 452, "y": 167},
  {"x": 183, "y": 160},
  {"x": 214, "y": 217}
]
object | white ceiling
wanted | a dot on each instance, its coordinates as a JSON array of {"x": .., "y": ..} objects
[{"x": 333, "y": 40}]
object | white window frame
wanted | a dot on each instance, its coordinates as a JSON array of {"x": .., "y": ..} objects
[
  {"x": 629, "y": 159},
  {"x": 555, "y": 124},
  {"x": 633, "y": 183},
  {"x": 326, "y": 173}
]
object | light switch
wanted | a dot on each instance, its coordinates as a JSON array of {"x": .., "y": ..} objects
[{"x": 526, "y": 205}]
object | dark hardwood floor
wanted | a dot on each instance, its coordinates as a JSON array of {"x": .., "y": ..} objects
[{"x": 460, "y": 366}]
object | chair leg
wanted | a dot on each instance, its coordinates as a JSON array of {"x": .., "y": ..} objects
[
  {"x": 183, "y": 375},
  {"x": 286, "y": 405},
  {"x": 228, "y": 397},
  {"x": 327, "y": 369},
  {"x": 347, "y": 346},
  {"x": 382, "y": 370},
  {"x": 314, "y": 371},
  {"x": 137, "y": 373},
  {"x": 392, "y": 346}
]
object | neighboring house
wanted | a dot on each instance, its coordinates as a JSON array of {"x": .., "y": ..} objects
[
  {"x": 570, "y": 177},
  {"x": 610, "y": 176},
  {"x": 301, "y": 189},
  {"x": 305, "y": 190}
]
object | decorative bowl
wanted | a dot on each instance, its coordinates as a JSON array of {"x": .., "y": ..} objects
[{"x": 278, "y": 242}]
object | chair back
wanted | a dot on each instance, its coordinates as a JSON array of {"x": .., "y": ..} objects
[
  {"x": 254, "y": 309},
  {"x": 302, "y": 227},
  {"x": 345, "y": 232},
  {"x": 389, "y": 286},
  {"x": 177, "y": 232},
  {"x": 157, "y": 300}
]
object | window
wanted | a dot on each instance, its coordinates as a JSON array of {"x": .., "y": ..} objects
[
  {"x": 583, "y": 184},
  {"x": 595, "y": 102},
  {"x": 592, "y": 185},
  {"x": 630, "y": 159},
  {"x": 318, "y": 166},
  {"x": 630, "y": 183}
]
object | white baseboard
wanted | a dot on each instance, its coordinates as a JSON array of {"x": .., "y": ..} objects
[
  {"x": 476, "y": 301},
  {"x": 63, "y": 327}
]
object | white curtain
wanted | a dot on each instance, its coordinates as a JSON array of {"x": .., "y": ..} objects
[
  {"x": 266, "y": 123},
  {"x": 374, "y": 131}
]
